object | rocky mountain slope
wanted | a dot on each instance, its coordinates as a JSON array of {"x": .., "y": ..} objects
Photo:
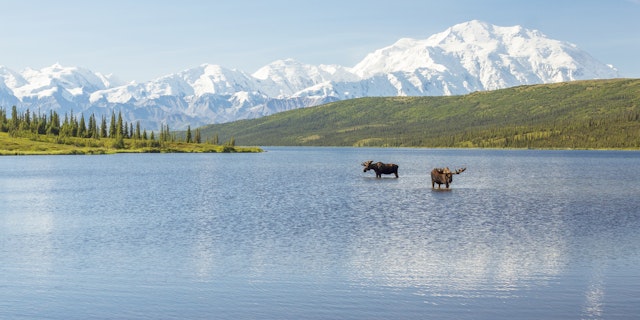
[{"x": 468, "y": 57}]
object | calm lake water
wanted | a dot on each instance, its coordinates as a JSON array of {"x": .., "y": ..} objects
[{"x": 303, "y": 233}]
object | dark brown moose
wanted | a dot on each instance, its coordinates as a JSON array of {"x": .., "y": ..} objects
[
  {"x": 443, "y": 176},
  {"x": 380, "y": 168}
]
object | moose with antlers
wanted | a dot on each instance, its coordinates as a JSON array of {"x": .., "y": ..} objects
[
  {"x": 443, "y": 176},
  {"x": 380, "y": 168}
]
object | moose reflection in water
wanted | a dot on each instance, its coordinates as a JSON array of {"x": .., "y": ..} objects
[
  {"x": 443, "y": 176},
  {"x": 380, "y": 168}
]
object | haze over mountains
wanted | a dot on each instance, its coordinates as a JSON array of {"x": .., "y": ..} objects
[{"x": 471, "y": 56}]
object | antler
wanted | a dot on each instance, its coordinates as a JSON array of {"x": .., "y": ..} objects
[{"x": 366, "y": 163}]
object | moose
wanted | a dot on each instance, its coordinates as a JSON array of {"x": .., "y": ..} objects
[
  {"x": 443, "y": 176},
  {"x": 380, "y": 168}
]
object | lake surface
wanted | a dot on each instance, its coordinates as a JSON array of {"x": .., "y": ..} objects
[{"x": 304, "y": 233}]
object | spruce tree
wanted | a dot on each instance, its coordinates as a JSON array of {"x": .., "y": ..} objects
[
  {"x": 138, "y": 135},
  {"x": 125, "y": 133},
  {"x": 3, "y": 120},
  {"x": 103, "y": 127},
  {"x": 26, "y": 120},
  {"x": 82, "y": 127},
  {"x": 93, "y": 127},
  {"x": 90, "y": 127},
  {"x": 65, "y": 128},
  {"x": 54, "y": 123},
  {"x": 198, "y": 138},
  {"x": 112, "y": 126},
  {"x": 119, "y": 125},
  {"x": 15, "y": 119}
]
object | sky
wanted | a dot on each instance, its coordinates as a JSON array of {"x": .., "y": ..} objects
[{"x": 144, "y": 40}]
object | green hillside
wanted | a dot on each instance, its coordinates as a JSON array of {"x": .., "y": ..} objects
[{"x": 580, "y": 114}]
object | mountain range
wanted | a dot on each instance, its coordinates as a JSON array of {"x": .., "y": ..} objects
[{"x": 467, "y": 57}]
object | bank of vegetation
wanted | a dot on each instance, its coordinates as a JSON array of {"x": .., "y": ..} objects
[
  {"x": 23, "y": 133},
  {"x": 594, "y": 114}
]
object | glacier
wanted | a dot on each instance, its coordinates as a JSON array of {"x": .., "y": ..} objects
[{"x": 467, "y": 57}]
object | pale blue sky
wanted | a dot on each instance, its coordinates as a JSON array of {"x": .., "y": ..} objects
[{"x": 144, "y": 40}]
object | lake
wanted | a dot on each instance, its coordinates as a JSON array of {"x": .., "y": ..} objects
[{"x": 304, "y": 233}]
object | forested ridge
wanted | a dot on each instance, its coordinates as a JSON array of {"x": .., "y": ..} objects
[{"x": 581, "y": 114}]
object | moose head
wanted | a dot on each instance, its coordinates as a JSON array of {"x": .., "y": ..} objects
[{"x": 367, "y": 165}]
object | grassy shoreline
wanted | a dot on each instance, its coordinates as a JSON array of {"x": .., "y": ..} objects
[
  {"x": 44, "y": 145},
  {"x": 48, "y": 145}
]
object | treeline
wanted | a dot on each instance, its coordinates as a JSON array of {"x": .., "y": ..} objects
[{"x": 68, "y": 128}]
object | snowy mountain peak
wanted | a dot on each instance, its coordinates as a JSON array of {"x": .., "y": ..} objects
[
  {"x": 49, "y": 80},
  {"x": 496, "y": 57},
  {"x": 10, "y": 78},
  {"x": 470, "y": 56},
  {"x": 287, "y": 77}
]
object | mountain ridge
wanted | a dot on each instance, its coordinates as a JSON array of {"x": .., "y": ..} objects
[
  {"x": 467, "y": 57},
  {"x": 602, "y": 114}
]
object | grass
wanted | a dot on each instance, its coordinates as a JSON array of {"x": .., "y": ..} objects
[{"x": 51, "y": 145}]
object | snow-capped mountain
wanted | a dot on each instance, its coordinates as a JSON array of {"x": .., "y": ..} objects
[{"x": 471, "y": 56}]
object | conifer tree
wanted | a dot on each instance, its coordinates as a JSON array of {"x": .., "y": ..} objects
[
  {"x": 138, "y": 133},
  {"x": 72, "y": 125},
  {"x": 112, "y": 126},
  {"x": 65, "y": 129},
  {"x": 15, "y": 119},
  {"x": 38, "y": 123},
  {"x": 90, "y": 127},
  {"x": 54, "y": 123},
  {"x": 188, "y": 140},
  {"x": 119, "y": 126},
  {"x": 93, "y": 127},
  {"x": 3, "y": 120},
  {"x": 82, "y": 127},
  {"x": 198, "y": 137},
  {"x": 165, "y": 134},
  {"x": 125, "y": 133},
  {"x": 103, "y": 127},
  {"x": 26, "y": 120}
]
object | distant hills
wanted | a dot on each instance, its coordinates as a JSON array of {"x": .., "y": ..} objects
[
  {"x": 578, "y": 114},
  {"x": 468, "y": 57}
]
